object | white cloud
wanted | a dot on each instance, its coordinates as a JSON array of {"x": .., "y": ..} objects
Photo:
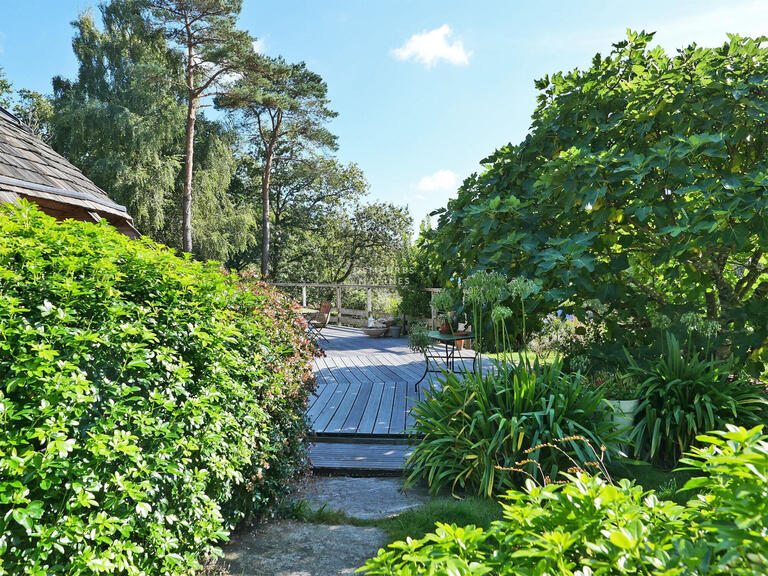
[
  {"x": 440, "y": 180},
  {"x": 260, "y": 45},
  {"x": 429, "y": 47}
]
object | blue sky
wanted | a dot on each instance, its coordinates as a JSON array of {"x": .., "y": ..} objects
[{"x": 424, "y": 89}]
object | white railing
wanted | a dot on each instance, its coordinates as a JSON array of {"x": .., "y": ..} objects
[{"x": 352, "y": 316}]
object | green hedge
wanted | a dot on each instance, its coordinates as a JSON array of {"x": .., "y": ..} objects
[{"x": 147, "y": 402}]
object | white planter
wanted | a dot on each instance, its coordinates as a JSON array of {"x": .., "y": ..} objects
[
  {"x": 394, "y": 331},
  {"x": 624, "y": 414}
]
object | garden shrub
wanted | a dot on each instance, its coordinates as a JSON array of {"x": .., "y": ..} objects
[
  {"x": 570, "y": 339},
  {"x": 476, "y": 425},
  {"x": 640, "y": 186},
  {"x": 590, "y": 526},
  {"x": 732, "y": 510},
  {"x": 684, "y": 395},
  {"x": 147, "y": 402}
]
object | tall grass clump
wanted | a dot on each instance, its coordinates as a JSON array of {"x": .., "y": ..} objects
[{"x": 687, "y": 393}]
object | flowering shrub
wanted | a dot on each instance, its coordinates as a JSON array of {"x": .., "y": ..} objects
[
  {"x": 147, "y": 402},
  {"x": 591, "y": 526}
]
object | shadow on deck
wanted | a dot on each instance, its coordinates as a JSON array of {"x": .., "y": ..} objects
[{"x": 361, "y": 412}]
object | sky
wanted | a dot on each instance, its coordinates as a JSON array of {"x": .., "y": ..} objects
[{"x": 425, "y": 89}]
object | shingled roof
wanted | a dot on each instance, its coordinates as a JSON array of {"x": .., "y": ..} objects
[{"x": 31, "y": 169}]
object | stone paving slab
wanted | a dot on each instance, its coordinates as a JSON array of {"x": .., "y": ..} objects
[
  {"x": 290, "y": 548},
  {"x": 363, "y": 497}
]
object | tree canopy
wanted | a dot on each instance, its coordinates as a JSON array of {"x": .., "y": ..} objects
[
  {"x": 6, "y": 89},
  {"x": 124, "y": 121},
  {"x": 638, "y": 197},
  {"x": 284, "y": 107}
]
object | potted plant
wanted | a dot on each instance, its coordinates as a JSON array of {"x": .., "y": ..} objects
[
  {"x": 443, "y": 304},
  {"x": 418, "y": 338},
  {"x": 621, "y": 394},
  {"x": 394, "y": 328}
]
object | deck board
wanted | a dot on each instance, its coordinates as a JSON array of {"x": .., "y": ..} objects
[
  {"x": 352, "y": 423},
  {"x": 368, "y": 421},
  {"x": 397, "y": 422},
  {"x": 329, "y": 410},
  {"x": 384, "y": 417},
  {"x": 336, "y": 423}
]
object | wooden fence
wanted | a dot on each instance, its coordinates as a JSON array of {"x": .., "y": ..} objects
[{"x": 352, "y": 316}]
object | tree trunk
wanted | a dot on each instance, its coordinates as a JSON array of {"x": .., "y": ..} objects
[
  {"x": 186, "y": 200},
  {"x": 265, "y": 236},
  {"x": 274, "y": 249},
  {"x": 189, "y": 148}
]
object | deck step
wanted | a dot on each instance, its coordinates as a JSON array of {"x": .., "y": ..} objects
[
  {"x": 359, "y": 457},
  {"x": 331, "y": 438}
]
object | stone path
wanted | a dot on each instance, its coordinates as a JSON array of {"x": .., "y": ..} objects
[{"x": 291, "y": 548}]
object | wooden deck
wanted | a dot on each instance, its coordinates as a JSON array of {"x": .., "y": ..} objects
[
  {"x": 367, "y": 386},
  {"x": 361, "y": 412}
]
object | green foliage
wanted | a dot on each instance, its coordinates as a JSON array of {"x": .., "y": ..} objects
[
  {"x": 444, "y": 306},
  {"x": 570, "y": 339},
  {"x": 476, "y": 428},
  {"x": 32, "y": 108},
  {"x": 590, "y": 526},
  {"x": 6, "y": 88},
  {"x": 641, "y": 187},
  {"x": 36, "y": 111},
  {"x": 443, "y": 302},
  {"x": 223, "y": 225},
  {"x": 282, "y": 106},
  {"x": 614, "y": 385},
  {"x": 122, "y": 122},
  {"x": 314, "y": 226},
  {"x": 417, "y": 269},
  {"x": 304, "y": 194},
  {"x": 683, "y": 395},
  {"x": 418, "y": 338},
  {"x": 414, "y": 522},
  {"x": 733, "y": 508},
  {"x": 360, "y": 242},
  {"x": 554, "y": 529},
  {"x": 211, "y": 50},
  {"x": 147, "y": 402}
]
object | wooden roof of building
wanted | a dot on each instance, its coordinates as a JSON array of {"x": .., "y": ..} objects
[{"x": 31, "y": 169}]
